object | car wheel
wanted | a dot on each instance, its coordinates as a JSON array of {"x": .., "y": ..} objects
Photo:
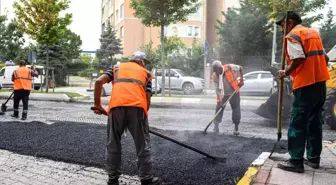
[
  {"x": 188, "y": 88},
  {"x": 36, "y": 88}
]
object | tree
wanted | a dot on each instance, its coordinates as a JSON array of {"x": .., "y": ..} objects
[
  {"x": 276, "y": 8},
  {"x": 161, "y": 13},
  {"x": 328, "y": 31},
  {"x": 244, "y": 33},
  {"x": 11, "y": 40},
  {"x": 110, "y": 45},
  {"x": 71, "y": 43},
  {"x": 41, "y": 20}
]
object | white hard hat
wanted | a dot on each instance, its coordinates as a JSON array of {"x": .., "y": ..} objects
[{"x": 138, "y": 56}]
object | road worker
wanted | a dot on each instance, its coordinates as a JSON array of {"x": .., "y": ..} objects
[
  {"x": 226, "y": 81},
  {"x": 22, "y": 78},
  {"x": 307, "y": 65},
  {"x": 128, "y": 109}
]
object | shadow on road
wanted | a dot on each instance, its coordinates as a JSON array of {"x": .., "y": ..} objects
[{"x": 85, "y": 144}]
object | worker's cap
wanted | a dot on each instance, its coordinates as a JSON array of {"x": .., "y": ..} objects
[
  {"x": 138, "y": 56},
  {"x": 291, "y": 15}
]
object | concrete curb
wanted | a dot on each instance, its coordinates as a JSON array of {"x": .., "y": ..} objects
[
  {"x": 41, "y": 97},
  {"x": 253, "y": 170}
]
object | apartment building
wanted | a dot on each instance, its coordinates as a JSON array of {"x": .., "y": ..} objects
[{"x": 133, "y": 34}]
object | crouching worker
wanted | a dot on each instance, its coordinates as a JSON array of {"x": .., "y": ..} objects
[{"x": 128, "y": 109}]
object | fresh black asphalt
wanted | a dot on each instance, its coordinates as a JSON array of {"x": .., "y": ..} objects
[{"x": 85, "y": 144}]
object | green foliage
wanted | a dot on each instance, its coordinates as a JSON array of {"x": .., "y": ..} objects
[
  {"x": 71, "y": 43},
  {"x": 328, "y": 31},
  {"x": 163, "y": 12},
  {"x": 244, "y": 33},
  {"x": 11, "y": 40},
  {"x": 110, "y": 46},
  {"x": 277, "y": 8},
  {"x": 41, "y": 20}
]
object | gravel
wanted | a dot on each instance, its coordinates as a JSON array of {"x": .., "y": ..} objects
[{"x": 85, "y": 144}]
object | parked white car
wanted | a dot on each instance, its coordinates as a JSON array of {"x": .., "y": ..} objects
[
  {"x": 258, "y": 82},
  {"x": 179, "y": 80},
  {"x": 7, "y": 72}
]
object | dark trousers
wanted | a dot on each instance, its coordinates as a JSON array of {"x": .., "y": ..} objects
[
  {"x": 305, "y": 129},
  {"x": 235, "y": 106},
  {"x": 135, "y": 120},
  {"x": 18, "y": 96}
]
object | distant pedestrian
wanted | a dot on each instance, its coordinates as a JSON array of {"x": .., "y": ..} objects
[
  {"x": 307, "y": 65},
  {"x": 128, "y": 109},
  {"x": 226, "y": 81},
  {"x": 22, "y": 78}
]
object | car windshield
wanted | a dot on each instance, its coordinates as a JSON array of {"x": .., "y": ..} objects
[{"x": 182, "y": 73}]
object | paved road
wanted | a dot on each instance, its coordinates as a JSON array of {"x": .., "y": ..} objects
[
  {"x": 252, "y": 125},
  {"x": 84, "y": 143}
]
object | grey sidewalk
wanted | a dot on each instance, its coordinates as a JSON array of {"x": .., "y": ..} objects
[
  {"x": 27, "y": 170},
  {"x": 269, "y": 174}
]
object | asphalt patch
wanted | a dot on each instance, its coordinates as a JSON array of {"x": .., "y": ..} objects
[{"x": 85, "y": 144}]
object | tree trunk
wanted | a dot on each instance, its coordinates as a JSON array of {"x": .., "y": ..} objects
[
  {"x": 47, "y": 67},
  {"x": 162, "y": 61}
]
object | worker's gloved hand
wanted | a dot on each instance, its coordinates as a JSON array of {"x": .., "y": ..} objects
[
  {"x": 281, "y": 74},
  {"x": 241, "y": 83},
  {"x": 98, "y": 109}
]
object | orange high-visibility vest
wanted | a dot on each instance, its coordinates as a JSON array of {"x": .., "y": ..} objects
[
  {"x": 23, "y": 79},
  {"x": 314, "y": 69},
  {"x": 129, "y": 86},
  {"x": 230, "y": 75}
]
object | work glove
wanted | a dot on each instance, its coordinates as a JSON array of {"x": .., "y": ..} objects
[{"x": 241, "y": 83}]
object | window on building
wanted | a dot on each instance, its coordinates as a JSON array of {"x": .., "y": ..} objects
[
  {"x": 112, "y": 19},
  {"x": 190, "y": 29},
  {"x": 197, "y": 31},
  {"x": 117, "y": 15},
  {"x": 122, "y": 11},
  {"x": 122, "y": 32},
  {"x": 103, "y": 9}
]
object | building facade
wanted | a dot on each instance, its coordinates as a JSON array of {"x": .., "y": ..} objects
[{"x": 133, "y": 34}]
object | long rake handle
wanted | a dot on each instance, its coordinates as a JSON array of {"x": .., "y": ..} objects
[{"x": 174, "y": 141}]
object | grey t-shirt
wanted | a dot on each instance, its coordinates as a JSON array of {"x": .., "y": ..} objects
[{"x": 228, "y": 90}]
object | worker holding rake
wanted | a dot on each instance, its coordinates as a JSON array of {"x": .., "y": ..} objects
[{"x": 226, "y": 81}]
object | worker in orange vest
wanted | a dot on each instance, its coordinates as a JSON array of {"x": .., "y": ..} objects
[
  {"x": 22, "y": 78},
  {"x": 307, "y": 66},
  {"x": 226, "y": 81},
  {"x": 128, "y": 109}
]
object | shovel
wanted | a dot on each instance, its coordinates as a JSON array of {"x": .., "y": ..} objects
[
  {"x": 279, "y": 121},
  {"x": 3, "y": 106},
  {"x": 218, "y": 159}
]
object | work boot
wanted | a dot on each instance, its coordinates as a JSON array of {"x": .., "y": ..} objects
[
  {"x": 315, "y": 165},
  {"x": 288, "y": 166},
  {"x": 15, "y": 114},
  {"x": 113, "y": 182},
  {"x": 216, "y": 128},
  {"x": 236, "y": 132},
  {"x": 24, "y": 116},
  {"x": 152, "y": 181}
]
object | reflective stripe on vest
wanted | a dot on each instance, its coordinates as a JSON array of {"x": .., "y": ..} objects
[
  {"x": 129, "y": 86},
  {"x": 22, "y": 79},
  {"x": 314, "y": 68}
]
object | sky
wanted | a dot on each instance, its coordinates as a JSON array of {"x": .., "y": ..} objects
[
  {"x": 86, "y": 20},
  {"x": 87, "y": 15}
]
